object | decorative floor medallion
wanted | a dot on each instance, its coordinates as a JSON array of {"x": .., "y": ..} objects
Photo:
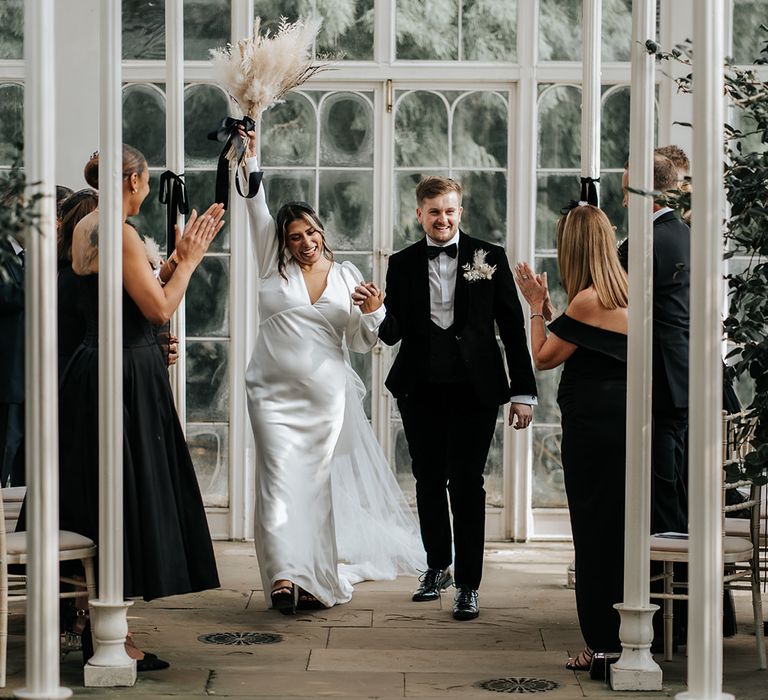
[
  {"x": 240, "y": 638},
  {"x": 518, "y": 685}
]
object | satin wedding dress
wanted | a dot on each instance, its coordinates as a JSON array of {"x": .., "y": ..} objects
[{"x": 329, "y": 511}]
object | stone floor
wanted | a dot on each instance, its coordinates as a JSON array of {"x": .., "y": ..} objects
[{"x": 381, "y": 645}]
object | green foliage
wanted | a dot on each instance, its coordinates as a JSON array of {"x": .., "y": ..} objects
[{"x": 745, "y": 174}]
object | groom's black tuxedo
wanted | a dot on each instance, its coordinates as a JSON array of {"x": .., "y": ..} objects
[
  {"x": 449, "y": 383},
  {"x": 477, "y": 306}
]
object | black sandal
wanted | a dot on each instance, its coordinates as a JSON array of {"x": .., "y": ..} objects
[
  {"x": 308, "y": 602},
  {"x": 284, "y": 599},
  {"x": 582, "y": 662}
]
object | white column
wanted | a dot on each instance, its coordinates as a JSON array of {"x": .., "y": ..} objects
[
  {"x": 174, "y": 161},
  {"x": 110, "y": 665},
  {"x": 636, "y": 669},
  {"x": 242, "y": 299},
  {"x": 591, "y": 57},
  {"x": 41, "y": 385},
  {"x": 705, "y": 568}
]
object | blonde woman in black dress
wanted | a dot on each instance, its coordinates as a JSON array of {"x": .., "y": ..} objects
[{"x": 590, "y": 340}]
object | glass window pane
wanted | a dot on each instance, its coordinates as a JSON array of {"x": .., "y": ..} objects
[
  {"x": 614, "y": 139},
  {"x": 346, "y": 208},
  {"x": 204, "y": 108},
  {"x": 560, "y": 127},
  {"x": 207, "y": 380},
  {"x": 494, "y": 470},
  {"x": 144, "y": 121},
  {"x": 611, "y": 197},
  {"x": 480, "y": 131},
  {"x": 407, "y": 228},
  {"x": 11, "y": 121},
  {"x": 402, "y": 462},
  {"x": 548, "y": 264},
  {"x": 560, "y": 30},
  {"x": 748, "y": 37},
  {"x": 206, "y": 26},
  {"x": 485, "y": 205},
  {"x": 288, "y": 186},
  {"x": 12, "y": 30},
  {"x": 201, "y": 186},
  {"x": 207, "y": 298},
  {"x": 548, "y": 486},
  {"x": 346, "y": 130},
  {"x": 553, "y": 193},
  {"x": 144, "y": 29},
  {"x": 209, "y": 449},
  {"x": 288, "y": 132},
  {"x": 421, "y": 130},
  {"x": 489, "y": 30},
  {"x": 425, "y": 32}
]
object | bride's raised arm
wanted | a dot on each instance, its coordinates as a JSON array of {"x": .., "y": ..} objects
[{"x": 262, "y": 224}]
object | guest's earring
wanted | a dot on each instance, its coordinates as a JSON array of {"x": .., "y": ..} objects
[{"x": 133, "y": 190}]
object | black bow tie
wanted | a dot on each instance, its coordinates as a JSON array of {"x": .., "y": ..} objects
[{"x": 434, "y": 250}]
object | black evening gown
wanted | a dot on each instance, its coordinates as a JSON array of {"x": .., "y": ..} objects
[
  {"x": 167, "y": 545},
  {"x": 592, "y": 398},
  {"x": 70, "y": 316}
]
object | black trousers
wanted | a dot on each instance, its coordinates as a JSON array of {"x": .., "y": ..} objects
[
  {"x": 449, "y": 432},
  {"x": 669, "y": 497},
  {"x": 12, "y": 466}
]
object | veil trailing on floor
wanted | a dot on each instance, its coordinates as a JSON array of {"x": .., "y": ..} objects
[{"x": 377, "y": 535}]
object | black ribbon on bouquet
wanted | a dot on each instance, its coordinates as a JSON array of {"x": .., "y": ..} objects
[
  {"x": 173, "y": 194},
  {"x": 227, "y": 133},
  {"x": 588, "y": 195}
]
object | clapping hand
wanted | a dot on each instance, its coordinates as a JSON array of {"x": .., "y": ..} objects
[
  {"x": 368, "y": 297},
  {"x": 534, "y": 289},
  {"x": 199, "y": 234}
]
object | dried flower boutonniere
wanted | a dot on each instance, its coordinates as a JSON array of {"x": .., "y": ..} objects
[
  {"x": 479, "y": 269},
  {"x": 153, "y": 253}
]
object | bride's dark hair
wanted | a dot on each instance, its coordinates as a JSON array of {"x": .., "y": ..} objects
[{"x": 286, "y": 215}]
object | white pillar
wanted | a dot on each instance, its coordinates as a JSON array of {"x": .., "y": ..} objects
[
  {"x": 705, "y": 568},
  {"x": 110, "y": 665},
  {"x": 591, "y": 61},
  {"x": 41, "y": 381},
  {"x": 174, "y": 161},
  {"x": 243, "y": 315},
  {"x": 636, "y": 669}
]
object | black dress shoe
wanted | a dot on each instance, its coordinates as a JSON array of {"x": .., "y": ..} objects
[
  {"x": 150, "y": 662},
  {"x": 465, "y": 604},
  {"x": 432, "y": 582}
]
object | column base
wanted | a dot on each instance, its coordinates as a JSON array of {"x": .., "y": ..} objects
[
  {"x": 58, "y": 694},
  {"x": 110, "y": 666},
  {"x": 109, "y": 676},
  {"x": 636, "y": 669}
]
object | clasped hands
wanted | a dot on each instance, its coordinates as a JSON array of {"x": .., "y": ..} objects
[{"x": 368, "y": 297}]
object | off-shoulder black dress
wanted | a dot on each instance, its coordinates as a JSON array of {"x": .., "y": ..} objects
[{"x": 592, "y": 398}]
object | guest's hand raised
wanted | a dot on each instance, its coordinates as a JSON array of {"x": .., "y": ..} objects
[
  {"x": 368, "y": 297},
  {"x": 198, "y": 234},
  {"x": 530, "y": 285},
  {"x": 548, "y": 310}
]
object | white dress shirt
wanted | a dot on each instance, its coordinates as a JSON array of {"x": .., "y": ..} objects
[{"x": 661, "y": 212}]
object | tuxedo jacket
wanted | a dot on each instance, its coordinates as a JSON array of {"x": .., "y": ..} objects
[
  {"x": 671, "y": 315},
  {"x": 479, "y": 306},
  {"x": 11, "y": 329}
]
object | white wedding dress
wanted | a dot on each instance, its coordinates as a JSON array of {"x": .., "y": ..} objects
[{"x": 329, "y": 511}]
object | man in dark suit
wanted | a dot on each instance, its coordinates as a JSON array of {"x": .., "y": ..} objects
[
  {"x": 12, "y": 364},
  {"x": 445, "y": 296},
  {"x": 671, "y": 283}
]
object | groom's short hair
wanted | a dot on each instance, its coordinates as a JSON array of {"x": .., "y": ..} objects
[{"x": 434, "y": 186}]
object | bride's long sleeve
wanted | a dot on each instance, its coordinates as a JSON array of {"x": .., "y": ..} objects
[
  {"x": 362, "y": 329},
  {"x": 262, "y": 227}
]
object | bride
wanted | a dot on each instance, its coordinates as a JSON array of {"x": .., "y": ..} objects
[{"x": 329, "y": 512}]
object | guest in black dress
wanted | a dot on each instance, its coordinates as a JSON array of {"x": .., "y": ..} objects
[
  {"x": 167, "y": 545},
  {"x": 590, "y": 338},
  {"x": 71, "y": 329}
]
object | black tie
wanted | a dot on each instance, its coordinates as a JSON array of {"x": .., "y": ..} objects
[{"x": 434, "y": 250}]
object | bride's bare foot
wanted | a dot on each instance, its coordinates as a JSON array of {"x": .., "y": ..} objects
[{"x": 132, "y": 650}]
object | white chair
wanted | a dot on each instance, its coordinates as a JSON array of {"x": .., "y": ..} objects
[
  {"x": 13, "y": 550},
  {"x": 741, "y": 554}
]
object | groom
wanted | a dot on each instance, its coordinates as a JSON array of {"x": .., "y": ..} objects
[{"x": 444, "y": 296}]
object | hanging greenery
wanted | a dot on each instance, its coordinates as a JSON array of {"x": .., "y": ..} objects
[{"x": 745, "y": 174}]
